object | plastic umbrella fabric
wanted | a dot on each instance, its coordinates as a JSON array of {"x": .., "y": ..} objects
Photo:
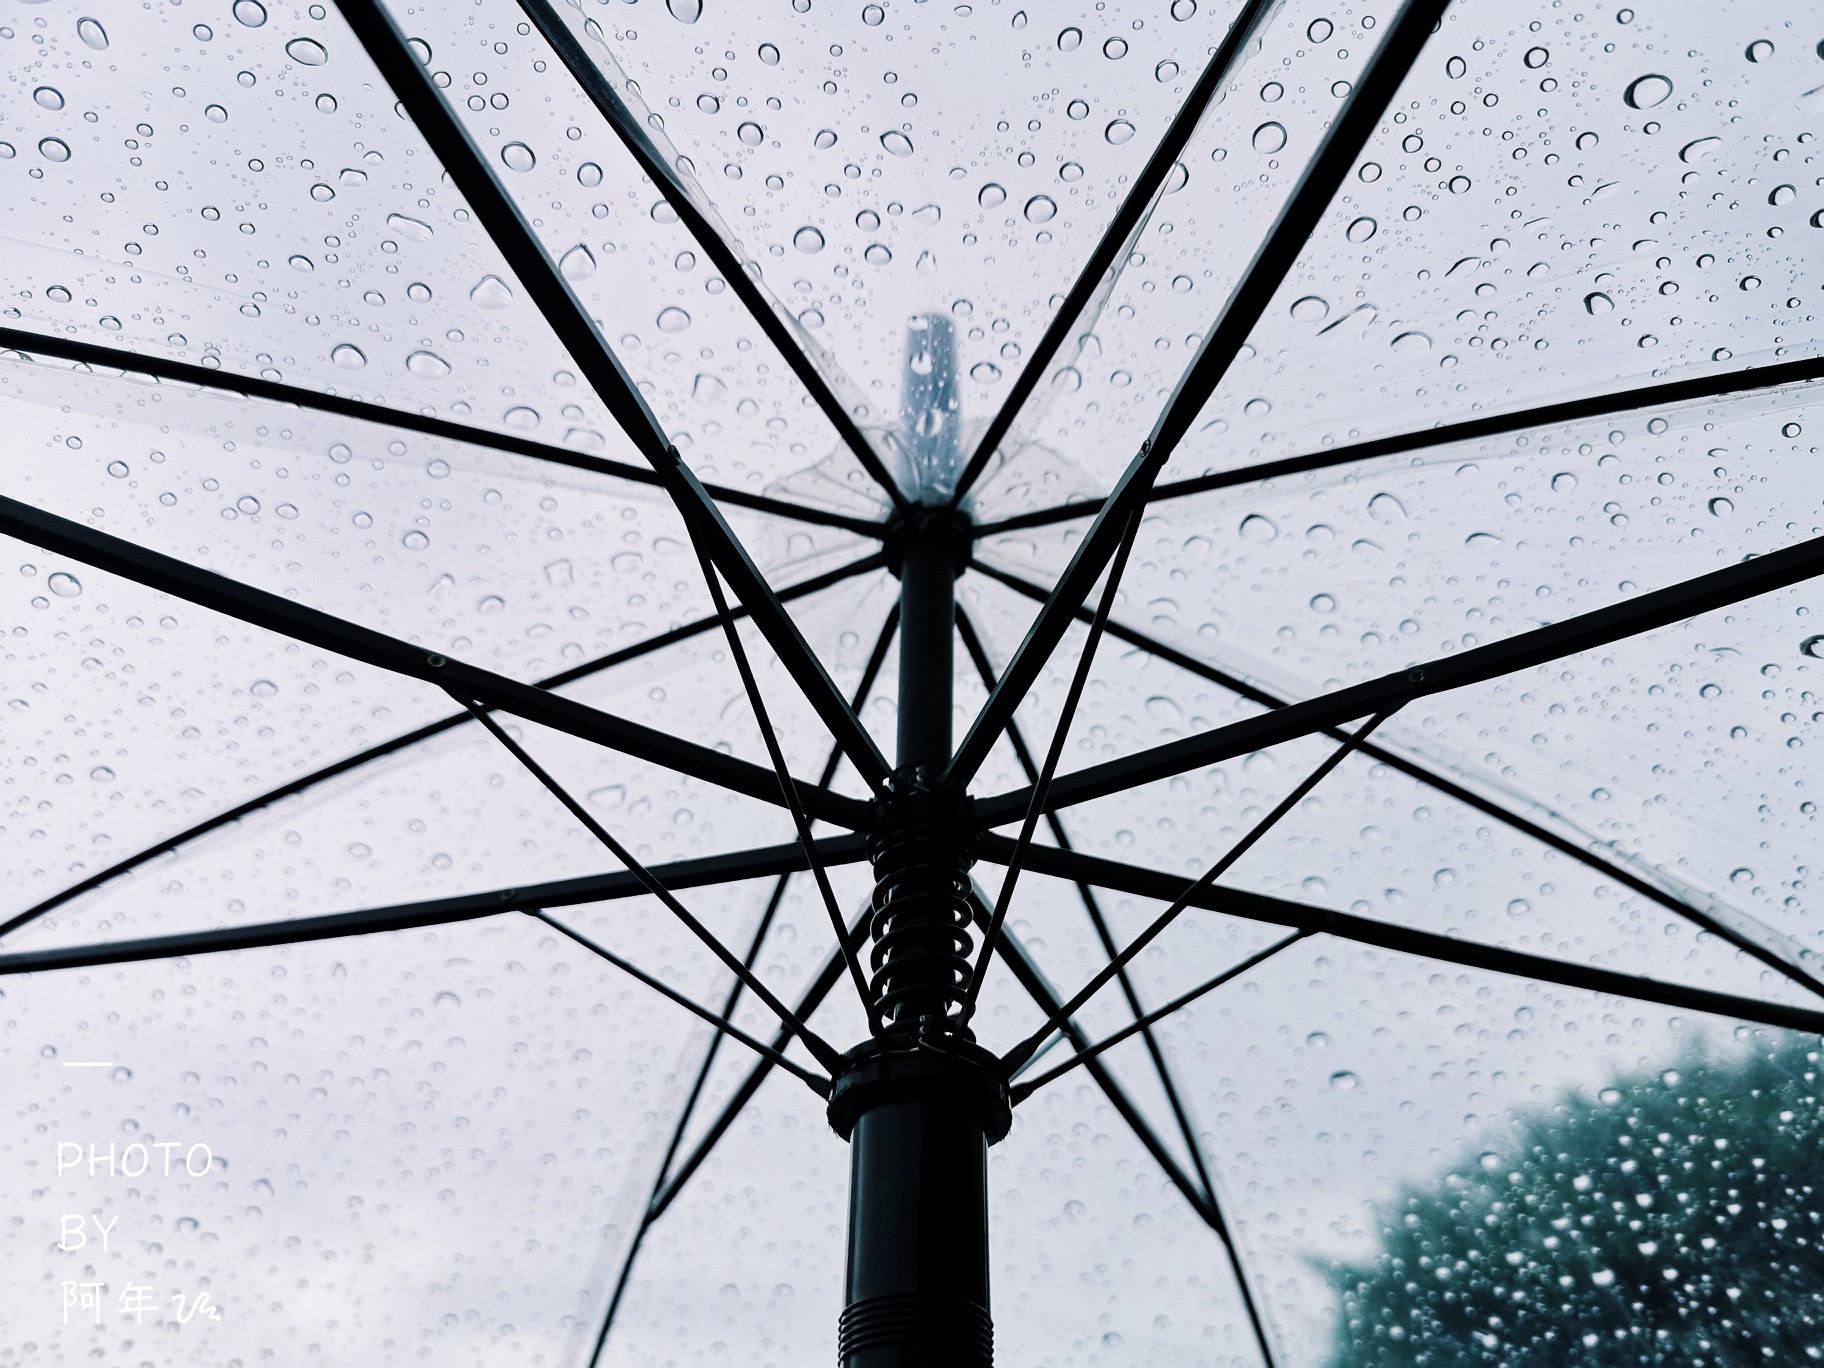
[{"x": 1223, "y": 592}]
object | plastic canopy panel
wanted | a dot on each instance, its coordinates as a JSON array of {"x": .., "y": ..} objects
[{"x": 709, "y": 683}]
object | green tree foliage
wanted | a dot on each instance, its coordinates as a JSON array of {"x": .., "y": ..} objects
[{"x": 1676, "y": 1221}]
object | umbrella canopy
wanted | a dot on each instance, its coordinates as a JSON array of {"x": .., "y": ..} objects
[{"x": 1245, "y": 570}]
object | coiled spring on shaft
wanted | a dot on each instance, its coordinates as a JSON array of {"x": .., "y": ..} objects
[{"x": 920, "y": 960}]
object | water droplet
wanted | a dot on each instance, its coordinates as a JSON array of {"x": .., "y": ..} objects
[
  {"x": 216, "y": 114},
  {"x": 1812, "y": 646},
  {"x": 873, "y": 16},
  {"x": 1563, "y": 482},
  {"x": 1270, "y": 137},
  {"x": 867, "y": 220},
  {"x": 685, "y": 11},
  {"x": 348, "y": 356},
  {"x": 877, "y": 254},
  {"x": 1699, "y": 148},
  {"x": 927, "y": 214},
  {"x": 769, "y": 54},
  {"x": 1781, "y": 194},
  {"x": 520, "y": 418},
  {"x": 1361, "y": 229},
  {"x": 1759, "y": 50},
  {"x": 1115, "y": 49},
  {"x": 1070, "y": 39},
  {"x": 250, "y": 12},
  {"x": 1320, "y": 30},
  {"x": 1410, "y": 342},
  {"x": 1165, "y": 71},
  {"x": 991, "y": 195},
  {"x": 1041, "y": 209},
  {"x": 491, "y": 292},
  {"x": 518, "y": 157},
  {"x": 414, "y": 540},
  {"x": 1749, "y": 283},
  {"x": 1070, "y": 171},
  {"x": 578, "y": 263},
  {"x": 247, "y": 504},
  {"x": 1721, "y": 507},
  {"x": 428, "y": 364},
  {"x": 48, "y": 97},
  {"x": 984, "y": 372},
  {"x": 118, "y": 469},
  {"x": 1647, "y": 91},
  {"x": 1537, "y": 57},
  {"x": 707, "y": 389},
  {"x": 1118, "y": 132},
  {"x": 672, "y": 320},
  {"x": 326, "y": 103},
  {"x": 1791, "y": 430},
  {"x": 54, "y": 149},
  {"x": 1344, "y": 1081},
  {"x": 411, "y": 229},
  {"x": 418, "y": 292},
  {"x": 64, "y": 585},
  {"x": 307, "y": 52},
  {"x": 826, "y": 137},
  {"x": 709, "y": 104},
  {"x": 92, "y": 33},
  {"x": 1386, "y": 508},
  {"x": 1310, "y": 309},
  {"x": 1596, "y": 302},
  {"x": 808, "y": 240},
  {"x": 1258, "y": 527},
  {"x": 1455, "y": 67},
  {"x": 750, "y": 133},
  {"x": 896, "y": 142}
]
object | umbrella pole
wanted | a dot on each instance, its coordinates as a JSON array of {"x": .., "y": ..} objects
[{"x": 921, "y": 1103}]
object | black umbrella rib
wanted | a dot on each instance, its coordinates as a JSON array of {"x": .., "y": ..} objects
[
  {"x": 972, "y": 643},
  {"x": 788, "y": 788},
  {"x": 1028, "y": 1087},
  {"x": 277, "y": 614},
  {"x": 819, "y": 989},
  {"x": 256, "y": 387},
  {"x": 405, "y": 740},
  {"x": 1782, "y": 957},
  {"x": 819, "y": 1084},
  {"x": 876, "y": 658},
  {"x": 1029, "y": 976},
  {"x": 625, "y": 1275},
  {"x": 1025, "y": 1050},
  {"x": 608, "y": 103},
  {"x": 1116, "y": 239},
  {"x": 1272, "y": 262},
  {"x": 1041, "y": 781},
  {"x": 1156, "y": 884},
  {"x": 1588, "y": 631},
  {"x": 825, "y": 1053},
  {"x": 734, "y": 867},
  {"x": 419, "y": 97},
  {"x": 1469, "y": 430}
]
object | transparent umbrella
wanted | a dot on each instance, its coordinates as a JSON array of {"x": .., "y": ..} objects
[{"x": 688, "y": 682}]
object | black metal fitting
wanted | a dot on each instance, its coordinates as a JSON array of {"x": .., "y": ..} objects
[
  {"x": 936, "y": 1065},
  {"x": 919, "y": 1108},
  {"x": 920, "y": 849},
  {"x": 929, "y": 525}
]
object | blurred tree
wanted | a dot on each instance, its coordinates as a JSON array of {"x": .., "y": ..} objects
[{"x": 1678, "y": 1220}]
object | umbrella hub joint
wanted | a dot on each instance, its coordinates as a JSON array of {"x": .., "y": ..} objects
[
  {"x": 941, "y": 1068},
  {"x": 923, "y": 527},
  {"x": 920, "y": 847}
]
